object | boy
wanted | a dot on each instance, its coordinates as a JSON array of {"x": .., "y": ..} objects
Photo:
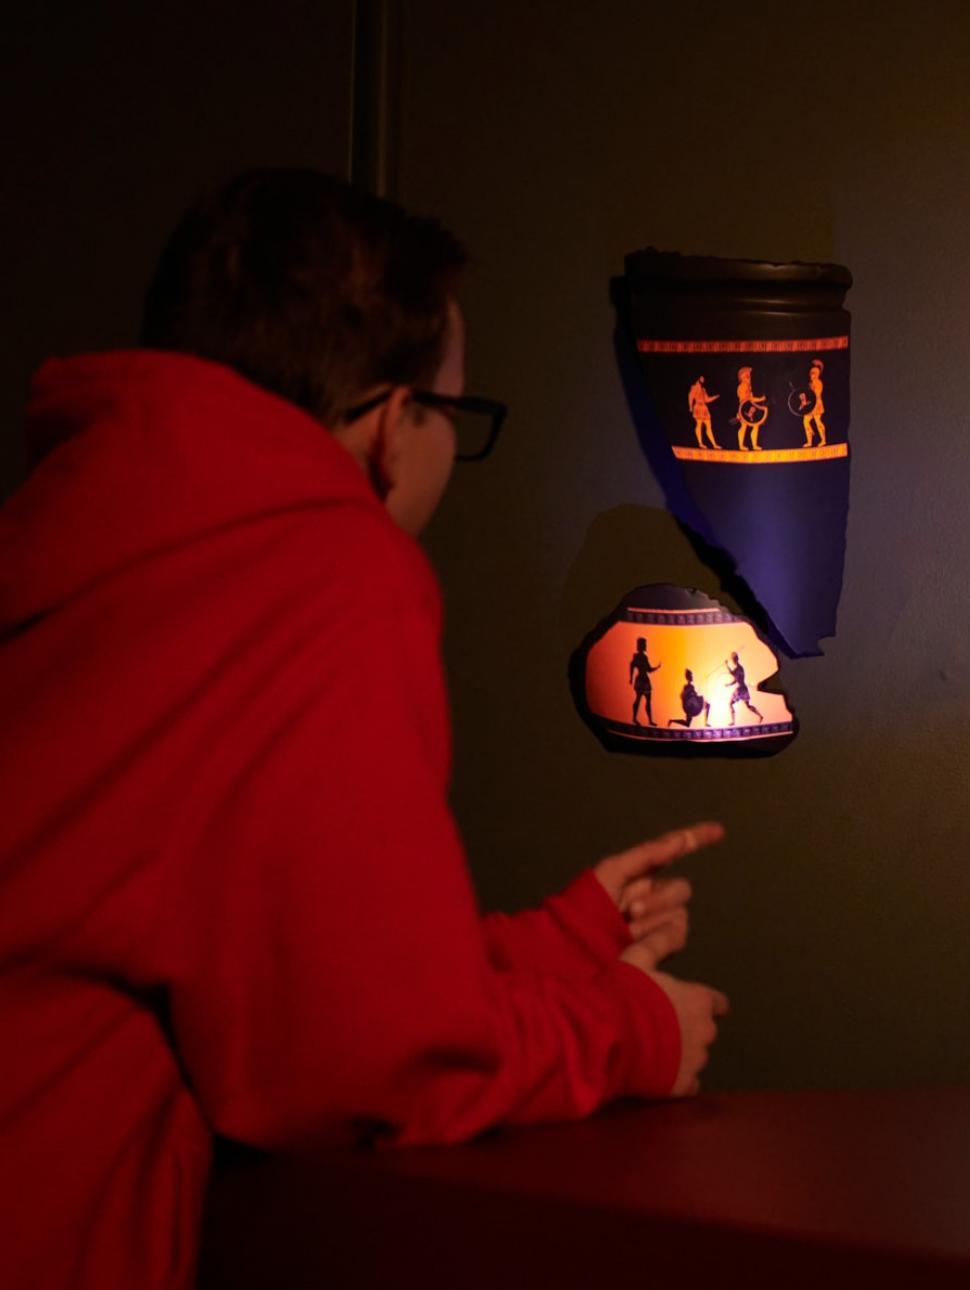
[{"x": 232, "y": 897}]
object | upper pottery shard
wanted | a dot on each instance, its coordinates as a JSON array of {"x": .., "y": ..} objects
[{"x": 743, "y": 410}]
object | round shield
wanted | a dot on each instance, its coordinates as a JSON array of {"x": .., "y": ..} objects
[
  {"x": 801, "y": 402},
  {"x": 754, "y": 413}
]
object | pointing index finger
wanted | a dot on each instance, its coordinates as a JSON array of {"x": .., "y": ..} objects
[
  {"x": 721, "y": 1004},
  {"x": 671, "y": 846}
]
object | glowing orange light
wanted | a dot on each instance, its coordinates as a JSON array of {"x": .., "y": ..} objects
[{"x": 687, "y": 675}]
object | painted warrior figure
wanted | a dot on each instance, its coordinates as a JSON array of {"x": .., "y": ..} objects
[
  {"x": 818, "y": 407},
  {"x": 692, "y": 702},
  {"x": 741, "y": 693},
  {"x": 640, "y": 664},
  {"x": 698, "y": 400},
  {"x": 749, "y": 404}
]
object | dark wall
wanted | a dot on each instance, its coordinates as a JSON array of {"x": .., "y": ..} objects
[
  {"x": 556, "y": 138},
  {"x": 117, "y": 114}
]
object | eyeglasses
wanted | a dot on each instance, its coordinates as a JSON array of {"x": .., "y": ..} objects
[{"x": 477, "y": 421}]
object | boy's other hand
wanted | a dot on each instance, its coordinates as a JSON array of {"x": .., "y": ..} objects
[
  {"x": 696, "y": 1007},
  {"x": 655, "y": 907}
]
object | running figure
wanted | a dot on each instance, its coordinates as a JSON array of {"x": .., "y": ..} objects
[
  {"x": 697, "y": 400},
  {"x": 747, "y": 396},
  {"x": 818, "y": 407},
  {"x": 640, "y": 664},
  {"x": 693, "y": 704},
  {"x": 741, "y": 694}
]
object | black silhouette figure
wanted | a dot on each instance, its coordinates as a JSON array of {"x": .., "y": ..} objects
[
  {"x": 692, "y": 702},
  {"x": 640, "y": 664},
  {"x": 741, "y": 693}
]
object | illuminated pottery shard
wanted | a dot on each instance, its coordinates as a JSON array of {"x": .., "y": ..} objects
[
  {"x": 673, "y": 671},
  {"x": 746, "y": 420}
]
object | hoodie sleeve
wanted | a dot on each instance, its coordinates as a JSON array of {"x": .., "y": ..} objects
[
  {"x": 574, "y": 933},
  {"x": 332, "y": 973}
]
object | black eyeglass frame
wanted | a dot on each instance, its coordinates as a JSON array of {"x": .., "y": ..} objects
[{"x": 456, "y": 402}]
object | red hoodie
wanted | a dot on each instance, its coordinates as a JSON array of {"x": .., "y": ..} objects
[{"x": 232, "y": 896}]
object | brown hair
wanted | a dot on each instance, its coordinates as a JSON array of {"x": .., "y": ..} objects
[{"x": 305, "y": 286}]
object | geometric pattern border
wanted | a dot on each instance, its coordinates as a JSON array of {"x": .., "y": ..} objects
[
  {"x": 742, "y": 346},
  {"x": 763, "y": 456},
  {"x": 702, "y": 734},
  {"x": 679, "y": 617}
]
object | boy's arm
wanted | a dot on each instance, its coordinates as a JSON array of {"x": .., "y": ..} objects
[
  {"x": 331, "y": 974},
  {"x": 604, "y": 910},
  {"x": 600, "y": 913},
  {"x": 572, "y": 934}
]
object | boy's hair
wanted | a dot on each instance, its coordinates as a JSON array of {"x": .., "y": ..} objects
[{"x": 306, "y": 286}]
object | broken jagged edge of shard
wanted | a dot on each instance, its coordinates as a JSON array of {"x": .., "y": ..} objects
[{"x": 745, "y": 420}]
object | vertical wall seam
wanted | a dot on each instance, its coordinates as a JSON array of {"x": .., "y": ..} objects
[{"x": 375, "y": 91}]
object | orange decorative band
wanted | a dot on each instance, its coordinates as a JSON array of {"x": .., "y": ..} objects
[
  {"x": 742, "y": 346},
  {"x": 762, "y": 456}
]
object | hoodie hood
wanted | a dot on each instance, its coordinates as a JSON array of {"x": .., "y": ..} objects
[{"x": 139, "y": 451}]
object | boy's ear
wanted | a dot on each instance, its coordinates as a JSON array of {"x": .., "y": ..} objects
[{"x": 392, "y": 419}]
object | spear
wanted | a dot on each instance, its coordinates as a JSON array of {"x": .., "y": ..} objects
[{"x": 721, "y": 666}]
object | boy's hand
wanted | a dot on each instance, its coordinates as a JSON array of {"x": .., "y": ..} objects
[
  {"x": 655, "y": 908},
  {"x": 696, "y": 1007}
]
